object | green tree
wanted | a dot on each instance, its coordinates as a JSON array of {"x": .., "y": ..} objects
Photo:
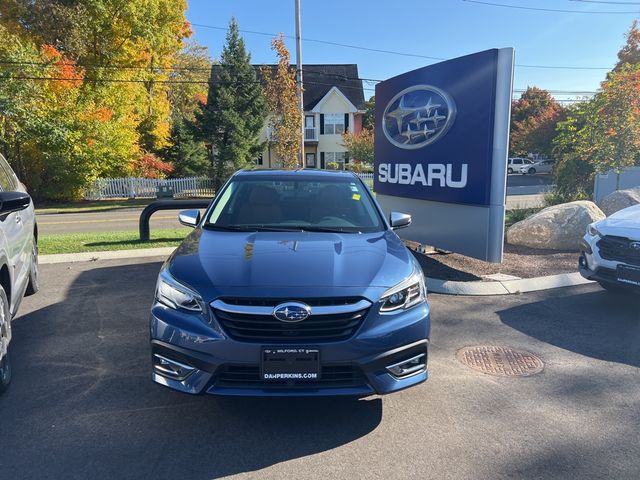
[
  {"x": 285, "y": 119},
  {"x": 188, "y": 155},
  {"x": 368, "y": 119},
  {"x": 600, "y": 135},
  {"x": 534, "y": 117},
  {"x": 234, "y": 115}
]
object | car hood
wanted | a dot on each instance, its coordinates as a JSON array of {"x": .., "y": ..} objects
[
  {"x": 216, "y": 262},
  {"x": 623, "y": 223}
]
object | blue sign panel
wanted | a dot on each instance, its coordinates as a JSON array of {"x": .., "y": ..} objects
[{"x": 434, "y": 131}]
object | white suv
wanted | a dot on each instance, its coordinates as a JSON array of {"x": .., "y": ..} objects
[
  {"x": 611, "y": 251},
  {"x": 515, "y": 164}
]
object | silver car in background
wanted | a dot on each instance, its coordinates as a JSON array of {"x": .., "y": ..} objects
[
  {"x": 18, "y": 258},
  {"x": 543, "y": 166}
]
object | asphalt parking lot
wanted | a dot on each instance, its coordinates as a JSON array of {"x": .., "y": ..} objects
[{"x": 82, "y": 404}]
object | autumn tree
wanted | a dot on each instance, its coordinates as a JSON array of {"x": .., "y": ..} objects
[
  {"x": 281, "y": 90},
  {"x": 629, "y": 54},
  {"x": 360, "y": 147},
  {"x": 534, "y": 117},
  {"x": 600, "y": 135},
  {"x": 233, "y": 117},
  {"x": 101, "y": 101}
]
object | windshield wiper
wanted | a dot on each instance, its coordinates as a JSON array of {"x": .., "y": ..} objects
[
  {"x": 250, "y": 228},
  {"x": 312, "y": 228}
]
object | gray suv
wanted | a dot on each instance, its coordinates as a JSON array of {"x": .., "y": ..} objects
[{"x": 18, "y": 257}]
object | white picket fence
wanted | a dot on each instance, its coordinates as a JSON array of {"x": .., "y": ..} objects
[
  {"x": 132, "y": 187},
  {"x": 147, "y": 187},
  {"x": 367, "y": 178}
]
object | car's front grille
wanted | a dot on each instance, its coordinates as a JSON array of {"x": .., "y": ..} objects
[
  {"x": 255, "y": 323},
  {"x": 618, "y": 249},
  {"x": 247, "y": 376}
]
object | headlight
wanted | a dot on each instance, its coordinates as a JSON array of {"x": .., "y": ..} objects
[
  {"x": 592, "y": 230},
  {"x": 174, "y": 295},
  {"x": 404, "y": 295}
]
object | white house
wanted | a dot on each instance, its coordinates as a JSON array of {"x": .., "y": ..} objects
[{"x": 333, "y": 104}]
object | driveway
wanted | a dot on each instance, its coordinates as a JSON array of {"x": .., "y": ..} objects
[{"x": 82, "y": 404}]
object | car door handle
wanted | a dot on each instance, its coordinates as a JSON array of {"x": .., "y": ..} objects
[{"x": 18, "y": 219}]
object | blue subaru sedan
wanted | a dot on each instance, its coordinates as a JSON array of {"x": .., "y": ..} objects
[{"x": 292, "y": 283}]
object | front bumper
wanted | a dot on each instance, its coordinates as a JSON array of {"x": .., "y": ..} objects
[
  {"x": 601, "y": 274},
  {"x": 216, "y": 364}
]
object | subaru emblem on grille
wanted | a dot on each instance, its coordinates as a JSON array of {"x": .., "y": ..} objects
[
  {"x": 635, "y": 245},
  {"x": 291, "y": 312}
]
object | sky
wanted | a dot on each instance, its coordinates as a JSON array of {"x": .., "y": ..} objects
[{"x": 433, "y": 28}]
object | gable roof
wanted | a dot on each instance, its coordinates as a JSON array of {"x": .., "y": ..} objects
[{"x": 319, "y": 79}]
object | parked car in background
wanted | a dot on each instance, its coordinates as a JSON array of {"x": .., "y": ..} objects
[
  {"x": 543, "y": 166},
  {"x": 611, "y": 251},
  {"x": 18, "y": 258},
  {"x": 292, "y": 283},
  {"x": 514, "y": 164}
]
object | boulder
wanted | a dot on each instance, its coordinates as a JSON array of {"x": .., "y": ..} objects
[
  {"x": 620, "y": 199},
  {"x": 559, "y": 227}
]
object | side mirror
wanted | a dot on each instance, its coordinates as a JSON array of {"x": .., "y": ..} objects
[
  {"x": 189, "y": 218},
  {"x": 399, "y": 220},
  {"x": 13, "y": 201}
]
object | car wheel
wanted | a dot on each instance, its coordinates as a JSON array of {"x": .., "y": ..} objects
[
  {"x": 34, "y": 282},
  {"x": 5, "y": 338},
  {"x": 509, "y": 170},
  {"x": 532, "y": 171}
]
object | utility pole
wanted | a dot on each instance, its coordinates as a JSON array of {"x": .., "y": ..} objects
[{"x": 299, "y": 82}]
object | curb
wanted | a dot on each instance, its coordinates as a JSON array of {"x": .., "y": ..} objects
[
  {"x": 111, "y": 255},
  {"x": 505, "y": 287}
]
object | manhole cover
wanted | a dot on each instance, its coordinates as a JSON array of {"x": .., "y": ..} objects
[{"x": 500, "y": 361}]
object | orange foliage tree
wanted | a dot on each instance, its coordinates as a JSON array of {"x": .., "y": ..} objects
[{"x": 281, "y": 91}]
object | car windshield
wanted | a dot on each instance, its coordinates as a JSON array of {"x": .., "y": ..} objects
[{"x": 264, "y": 203}]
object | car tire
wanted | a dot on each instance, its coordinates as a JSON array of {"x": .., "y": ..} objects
[
  {"x": 509, "y": 170},
  {"x": 34, "y": 281},
  {"x": 532, "y": 171},
  {"x": 5, "y": 336}
]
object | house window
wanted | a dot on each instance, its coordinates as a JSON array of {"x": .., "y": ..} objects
[
  {"x": 333, "y": 123},
  {"x": 310, "y": 128}
]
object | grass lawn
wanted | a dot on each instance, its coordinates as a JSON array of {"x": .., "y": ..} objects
[
  {"x": 101, "y": 241},
  {"x": 84, "y": 206}
]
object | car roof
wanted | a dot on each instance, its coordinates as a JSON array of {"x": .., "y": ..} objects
[{"x": 294, "y": 173}]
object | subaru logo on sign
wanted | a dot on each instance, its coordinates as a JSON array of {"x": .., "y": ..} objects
[
  {"x": 635, "y": 245},
  {"x": 292, "y": 312},
  {"x": 418, "y": 116}
]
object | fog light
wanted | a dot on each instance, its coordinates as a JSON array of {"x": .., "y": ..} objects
[
  {"x": 408, "y": 367},
  {"x": 170, "y": 368}
]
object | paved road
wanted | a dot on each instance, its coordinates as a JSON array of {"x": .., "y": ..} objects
[
  {"x": 105, "y": 221},
  {"x": 519, "y": 180},
  {"x": 82, "y": 404}
]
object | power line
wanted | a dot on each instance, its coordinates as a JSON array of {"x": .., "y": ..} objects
[
  {"x": 392, "y": 52},
  {"x": 520, "y": 7}
]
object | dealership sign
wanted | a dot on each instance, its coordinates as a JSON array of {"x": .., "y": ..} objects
[{"x": 441, "y": 138}]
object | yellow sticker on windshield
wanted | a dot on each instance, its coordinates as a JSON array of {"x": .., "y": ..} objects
[{"x": 356, "y": 196}]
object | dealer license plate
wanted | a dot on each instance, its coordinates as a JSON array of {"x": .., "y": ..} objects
[
  {"x": 290, "y": 364},
  {"x": 628, "y": 275}
]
